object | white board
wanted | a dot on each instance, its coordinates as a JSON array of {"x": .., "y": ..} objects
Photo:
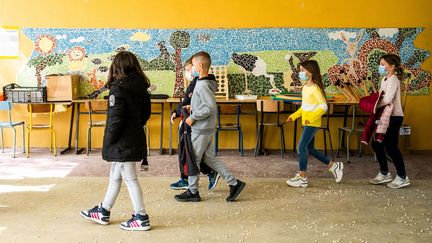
[{"x": 9, "y": 42}]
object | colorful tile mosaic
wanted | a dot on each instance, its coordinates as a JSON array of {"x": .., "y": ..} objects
[{"x": 260, "y": 61}]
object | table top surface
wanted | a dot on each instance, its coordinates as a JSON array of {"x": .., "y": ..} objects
[
  {"x": 336, "y": 101},
  {"x": 106, "y": 100}
]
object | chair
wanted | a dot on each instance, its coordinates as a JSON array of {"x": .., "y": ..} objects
[
  {"x": 229, "y": 110},
  {"x": 95, "y": 108},
  {"x": 221, "y": 75},
  {"x": 353, "y": 129},
  {"x": 41, "y": 109},
  {"x": 326, "y": 128},
  {"x": 7, "y": 106},
  {"x": 269, "y": 107}
]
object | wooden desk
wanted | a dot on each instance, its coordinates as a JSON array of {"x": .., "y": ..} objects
[
  {"x": 77, "y": 105},
  {"x": 172, "y": 101}
]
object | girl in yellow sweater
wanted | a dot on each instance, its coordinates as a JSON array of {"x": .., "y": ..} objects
[{"x": 313, "y": 106}]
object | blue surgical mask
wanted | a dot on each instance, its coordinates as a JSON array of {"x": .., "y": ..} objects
[
  {"x": 382, "y": 70},
  {"x": 194, "y": 72},
  {"x": 303, "y": 76}
]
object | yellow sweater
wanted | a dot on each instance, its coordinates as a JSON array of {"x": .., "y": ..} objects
[{"x": 313, "y": 106}]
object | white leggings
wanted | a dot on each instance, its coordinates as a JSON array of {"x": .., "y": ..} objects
[{"x": 127, "y": 171}]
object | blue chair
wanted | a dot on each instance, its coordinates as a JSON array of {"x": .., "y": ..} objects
[
  {"x": 7, "y": 106},
  {"x": 229, "y": 110}
]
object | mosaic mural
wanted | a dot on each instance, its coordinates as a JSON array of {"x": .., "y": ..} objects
[{"x": 260, "y": 61}]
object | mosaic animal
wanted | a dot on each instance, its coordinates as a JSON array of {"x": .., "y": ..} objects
[
  {"x": 301, "y": 56},
  {"x": 355, "y": 69},
  {"x": 256, "y": 66},
  {"x": 164, "y": 54}
]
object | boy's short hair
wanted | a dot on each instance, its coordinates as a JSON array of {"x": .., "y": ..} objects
[
  {"x": 204, "y": 58},
  {"x": 188, "y": 62}
]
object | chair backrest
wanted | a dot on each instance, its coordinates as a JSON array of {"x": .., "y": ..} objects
[
  {"x": 270, "y": 105},
  {"x": 221, "y": 75},
  {"x": 6, "y": 106},
  {"x": 228, "y": 109},
  {"x": 40, "y": 108},
  {"x": 99, "y": 106}
]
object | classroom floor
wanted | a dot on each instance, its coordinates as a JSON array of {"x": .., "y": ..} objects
[{"x": 40, "y": 200}]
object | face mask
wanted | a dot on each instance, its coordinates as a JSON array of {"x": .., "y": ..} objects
[
  {"x": 382, "y": 70},
  {"x": 303, "y": 76},
  {"x": 188, "y": 76},
  {"x": 194, "y": 72}
]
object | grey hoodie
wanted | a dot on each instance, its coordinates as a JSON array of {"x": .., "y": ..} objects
[{"x": 203, "y": 106}]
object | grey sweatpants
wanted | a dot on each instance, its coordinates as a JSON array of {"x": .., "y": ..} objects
[
  {"x": 203, "y": 149},
  {"x": 127, "y": 171}
]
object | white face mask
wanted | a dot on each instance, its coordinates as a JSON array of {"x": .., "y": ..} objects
[{"x": 188, "y": 76}]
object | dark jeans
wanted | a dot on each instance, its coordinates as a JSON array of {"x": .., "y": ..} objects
[
  {"x": 307, "y": 144},
  {"x": 390, "y": 145}
]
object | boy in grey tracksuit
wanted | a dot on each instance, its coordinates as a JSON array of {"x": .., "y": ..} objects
[{"x": 203, "y": 122}]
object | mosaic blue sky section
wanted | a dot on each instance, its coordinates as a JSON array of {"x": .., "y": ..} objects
[{"x": 220, "y": 43}]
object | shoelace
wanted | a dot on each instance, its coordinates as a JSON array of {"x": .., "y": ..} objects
[{"x": 95, "y": 209}]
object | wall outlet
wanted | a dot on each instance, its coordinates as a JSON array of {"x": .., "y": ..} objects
[{"x": 405, "y": 130}]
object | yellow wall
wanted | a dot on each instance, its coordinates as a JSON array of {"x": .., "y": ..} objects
[{"x": 220, "y": 14}]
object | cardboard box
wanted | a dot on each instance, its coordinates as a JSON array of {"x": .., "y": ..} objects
[{"x": 62, "y": 87}]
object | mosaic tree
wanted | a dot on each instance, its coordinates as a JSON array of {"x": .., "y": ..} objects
[
  {"x": 179, "y": 40},
  {"x": 45, "y": 44}
]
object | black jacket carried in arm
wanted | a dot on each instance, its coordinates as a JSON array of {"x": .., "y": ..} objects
[
  {"x": 188, "y": 166},
  {"x": 128, "y": 111}
]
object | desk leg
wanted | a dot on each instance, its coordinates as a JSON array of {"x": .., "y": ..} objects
[
  {"x": 77, "y": 118},
  {"x": 344, "y": 124},
  {"x": 256, "y": 126},
  {"x": 161, "y": 129},
  {"x": 170, "y": 131},
  {"x": 70, "y": 130}
]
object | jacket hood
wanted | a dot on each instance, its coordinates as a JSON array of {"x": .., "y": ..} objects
[
  {"x": 212, "y": 81},
  {"x": 132, "y": 83}
]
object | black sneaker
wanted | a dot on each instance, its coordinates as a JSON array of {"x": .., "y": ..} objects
[
  {"x": 188, "y": 196},
  {"x": 136, "y": 223},
  {"x": 97, "y": 214},
  {"x": 235, "y": 191}
]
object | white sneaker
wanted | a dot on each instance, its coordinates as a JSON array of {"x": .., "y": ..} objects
[
  {"x": 380, "y": 178},
  {"x": 337, "y": 171},
  {"x": 298, "y": 181},
  {"x": 398, "y": 182}
]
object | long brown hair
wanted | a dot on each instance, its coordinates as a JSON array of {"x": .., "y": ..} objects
[
  {"x": 395, "y": 60},
  {"x": 312, "y": 67},
  {"x": 125, "y": 63}
]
